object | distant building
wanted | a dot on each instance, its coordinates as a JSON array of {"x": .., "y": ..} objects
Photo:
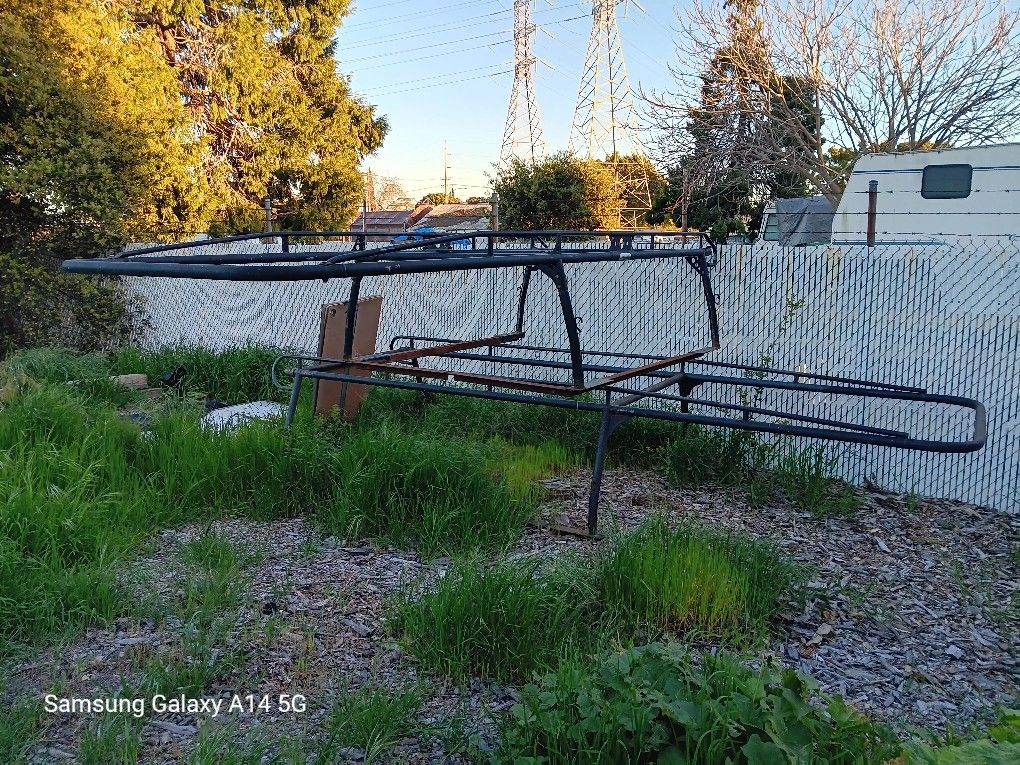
[
  {"x": 451, "y": 217},
  {"x": 382, "y": 222}
]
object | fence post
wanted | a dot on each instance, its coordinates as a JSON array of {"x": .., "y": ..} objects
[{"x": 872, "y": 211}]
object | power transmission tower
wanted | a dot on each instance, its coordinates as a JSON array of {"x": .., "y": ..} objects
[
  {"x": 522, "y": 137},
  {"x": 605, "y": 120}
]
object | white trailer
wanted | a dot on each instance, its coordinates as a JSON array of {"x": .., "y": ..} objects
[{"x": 940, "y": 196}]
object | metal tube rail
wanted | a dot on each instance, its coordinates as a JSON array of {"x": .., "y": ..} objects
[
  {"x": 639, "y": 356},
  {"x": 264, "y": 273},
  {"x": 975, "y": 442}
]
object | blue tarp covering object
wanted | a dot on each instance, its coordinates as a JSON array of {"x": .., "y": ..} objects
[
  {"x": 460, "y": 244},
  {"x": 806, "y": 220}
]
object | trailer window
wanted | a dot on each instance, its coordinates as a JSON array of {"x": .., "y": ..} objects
[
  {"x": 771, "y": 232},
  {"x": 946, "y": 181}
]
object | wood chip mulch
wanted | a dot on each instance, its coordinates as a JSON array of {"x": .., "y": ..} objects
[{"x": 913, "y": 616}]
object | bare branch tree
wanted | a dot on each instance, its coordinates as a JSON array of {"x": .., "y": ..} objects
[
  {"x": 389, "y": 194},
  {"x": 852, "y": 75}
]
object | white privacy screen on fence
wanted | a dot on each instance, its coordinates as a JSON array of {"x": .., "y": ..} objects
[{"x": 938, "y": 317}]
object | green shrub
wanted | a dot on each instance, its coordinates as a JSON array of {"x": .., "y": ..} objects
[
  {"x": 500, "y": 620},
  {"x": 689, "y": 578},
  {"x": 415, "y": 490},
  {"x": 40, "y": 305},
  {"x": 656, "y": 703}
]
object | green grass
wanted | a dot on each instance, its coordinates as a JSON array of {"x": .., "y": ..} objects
[
  {"x": 685, "y": 579},
  {"x": 81, "y": 487},
  {"x": 689, "y": 455},
  {"x": 214, "y": 553},
  {"x": 371, "y": 719},
  {"x": 68, "y": 496},
  {"x": 206, "y": 607},
  {"x": 508, "y": 619},
  {"x": 433, "y": 494},
  {"x": 699, "y": 455},
  {"x": 20, "y": 726},
  {"x": 635, "y": 443},
  {"x": 233, "y": 376},
  {"x": 805, "y": 477},
  {"x": 659, "y": 704},
  {"x": 521, "y": 467},
  {"x": 113, "y": 739},
  {"x": 221, "y": 745},
  {"x": 225, "y": 745},
  {"x": 500, "y": 620}
]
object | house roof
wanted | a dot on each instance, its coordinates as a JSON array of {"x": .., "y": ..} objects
[
  {"x": 456, "y": 217},
  {"x": 389, "y": 219}
]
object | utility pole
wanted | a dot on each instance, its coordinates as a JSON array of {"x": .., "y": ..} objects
[
  {"x": 370, "y": 189},
  {"x": 364, "y": 210},
  {"x": 446, "y": 175},
  {"x": 267, "y": 205},
  {"x": 495, "y": 211}
]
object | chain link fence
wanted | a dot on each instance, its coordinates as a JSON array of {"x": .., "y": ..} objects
[{"x": 944, "y": 318}]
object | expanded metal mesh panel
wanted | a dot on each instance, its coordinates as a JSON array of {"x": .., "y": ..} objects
[{"x": 938, "y": 317}]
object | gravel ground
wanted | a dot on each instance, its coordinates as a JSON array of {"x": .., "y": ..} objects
[{"x": 914, "y": 616}]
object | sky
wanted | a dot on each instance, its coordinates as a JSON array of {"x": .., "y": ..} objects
[{"x": 442, "y": 71}]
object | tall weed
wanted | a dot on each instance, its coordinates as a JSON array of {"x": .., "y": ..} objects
[
  {"x": 510, "y": 618},
  {"x": 233, "y": 376}
]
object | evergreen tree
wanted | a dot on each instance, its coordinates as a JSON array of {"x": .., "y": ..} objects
[
  {"x": 275, "y": 118},
  {"x": 731, "y": 172},
  {"x": 138, "y": 119}
]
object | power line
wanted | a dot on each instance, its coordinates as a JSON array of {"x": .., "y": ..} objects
[
  {"x": 427, "y": 33},
  {"x": 443, "y": 84},
  {"x": 408, "y": 15},
  {"x": 426, "y": 47},
  {"x": 424, "y": 58},
  {"x": 434, "y": 30},
  {"x": 389, "y": 85}
]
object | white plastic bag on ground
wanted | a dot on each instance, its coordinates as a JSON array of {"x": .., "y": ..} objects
[{"x": 239, "y": 414}]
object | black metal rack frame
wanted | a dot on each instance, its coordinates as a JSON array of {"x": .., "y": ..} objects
[{"x": 597, "y": 373}]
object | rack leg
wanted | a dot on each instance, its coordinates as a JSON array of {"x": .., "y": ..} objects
[
  {"x": 610, "y": 422},
  {"x": 295, "y": 393}
]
